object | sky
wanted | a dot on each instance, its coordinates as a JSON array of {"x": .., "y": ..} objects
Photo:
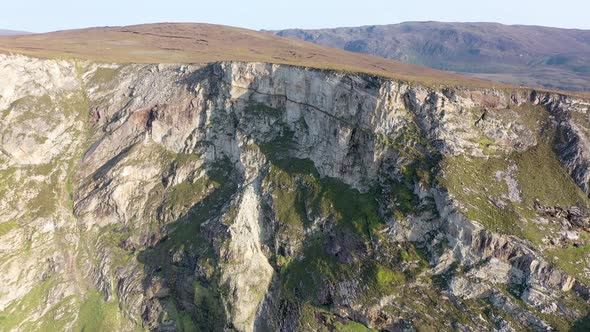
[{"x": 51, "y": 15}]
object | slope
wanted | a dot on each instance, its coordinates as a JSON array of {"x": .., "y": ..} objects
[
  {"x": 4, "y": 32},
  {"x": 204, "y": 43},
  {"x": 524, "y": 55}
]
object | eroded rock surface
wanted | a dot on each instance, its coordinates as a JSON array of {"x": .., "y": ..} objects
[{"x": 250, "y": 196}]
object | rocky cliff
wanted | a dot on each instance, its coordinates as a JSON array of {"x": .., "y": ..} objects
[{"x": 260, "y": 197}]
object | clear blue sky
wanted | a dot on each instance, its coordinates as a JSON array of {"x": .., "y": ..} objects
[{"x": 49, "y": 15}]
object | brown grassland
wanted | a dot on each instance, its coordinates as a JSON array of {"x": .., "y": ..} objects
[{"x": 205, "y": 43}]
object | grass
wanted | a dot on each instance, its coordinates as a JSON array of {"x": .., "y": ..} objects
[
  {"x": 184, "y": 323},
  {"x": 386, "y": 278},
  {"x": 572, "y": 260},
  {"x": 351, "y": 326},
  {"x": 293, "y": 194},
  {"x": 44, "y": 203},
  {"x": 98, "y": 315},
  {"x": 210, "y": 315},
  {"x": 53, "y": 319},
  {"x": 184, "y": 234},
  {"x": 93, "y": 314},
  {"x": 299, "y": 196},
  {"x": 7, "y": 226},
  {"x": 205, "y": 43},
  {"x": 186, "y": 194},
  {"x": 540, "y": 176},
  {"x": 104, "y": 75},
  {"x": 18, "y": 311},
  {"x": 485, "y": 143},
  {"x": 44, "y": 197},
  {"x": 321, "y": 320},
  {"x": 303, "y": 278},
  {"x": 300, "y": 191}
]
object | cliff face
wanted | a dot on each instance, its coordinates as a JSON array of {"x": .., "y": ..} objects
[{"x": 250, "y": 196}]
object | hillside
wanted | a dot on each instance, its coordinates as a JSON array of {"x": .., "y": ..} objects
[
  {"x": 205, "y": 178},
  {"x": 12, "y": 32},
  {"x": 205, "y": 43},
  {"x": 522, "y": 55}
]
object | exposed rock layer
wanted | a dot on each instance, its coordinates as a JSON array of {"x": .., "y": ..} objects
[{"x": 252, "y": 196}]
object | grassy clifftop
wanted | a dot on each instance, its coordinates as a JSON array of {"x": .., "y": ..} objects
[{"x": 204, "y": 43}]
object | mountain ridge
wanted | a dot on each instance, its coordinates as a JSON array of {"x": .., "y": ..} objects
[
  {"x": 177, "y": 43},
  {"x": 5, "y": 32},
  {"x": 203, "y": 43},
  {"x": 517, "y": 54}
]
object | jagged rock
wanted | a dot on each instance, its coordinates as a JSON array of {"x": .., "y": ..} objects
[{"x": 253, "y": 196}]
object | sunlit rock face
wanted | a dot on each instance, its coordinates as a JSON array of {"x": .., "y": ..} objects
[{"x": 255, "y": 197}]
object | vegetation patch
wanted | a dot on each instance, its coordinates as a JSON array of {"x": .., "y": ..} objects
[
  {"x": 483, "y": 196},
  {"x": 98, "y": 315},
  {"x": 572, "y": 259},
  {"x": 7, "y": 226},
  {"x": 186, "y": 194},
  {"x": 300, "y": 192},
  {"x": 103, "y": 75},
  {"x": 321, "y": 320},
  {"x": 351, "y": 221},
  {"x": 34, "y": 301},
  {"x": 541, "y": 176},
  {"x": 263, "y": 110},
  {"x": 183, "y": 236},
  {"x": 210, "y": 314}
]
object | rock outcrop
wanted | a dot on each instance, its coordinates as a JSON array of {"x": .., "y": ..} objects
[{"x": 252, "y": 196}]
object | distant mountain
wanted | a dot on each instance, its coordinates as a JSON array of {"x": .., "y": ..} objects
[
  {"x": 525, "y": 55},
  {"x": 12, "y": 32}
]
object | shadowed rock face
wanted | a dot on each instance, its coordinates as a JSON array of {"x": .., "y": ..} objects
[
  {"x": 251, "y": 196},
  {"x": 523, "y": 55}
]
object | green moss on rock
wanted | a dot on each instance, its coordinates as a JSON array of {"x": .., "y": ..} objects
[{"x": 98, "y": 315}]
